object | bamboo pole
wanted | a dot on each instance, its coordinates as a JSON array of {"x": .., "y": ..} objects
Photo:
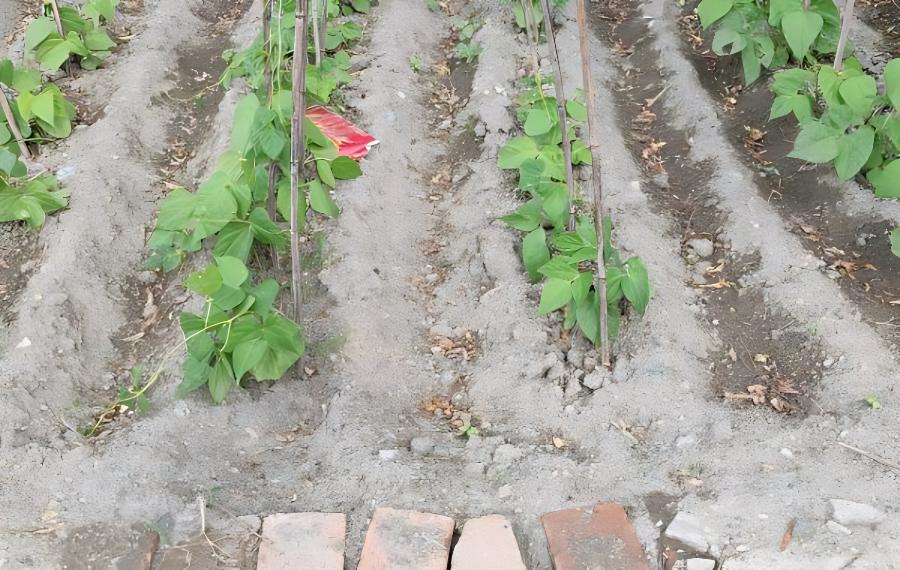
[
  {"x": 268, "y": 9},
  {"x": 846, "y": 18},
  {"x": 531, "y": 32},
  {"x": 561, "y": 111},
  {"x": 11, "y": 121},
  {"x": 315, "y": 14},
  {"x": 322, "y": 26},
  {"x": 593, "y": 129},
  {"x": 59, "y": 28},
  {"x": 297, "y": 144}
]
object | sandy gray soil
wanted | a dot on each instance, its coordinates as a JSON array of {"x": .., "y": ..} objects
[{"x": 410, "y": 258}]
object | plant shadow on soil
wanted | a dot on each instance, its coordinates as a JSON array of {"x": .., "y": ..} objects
[
  {"x": 761, "y": 346},
  {"x": 855, "y": 249}
]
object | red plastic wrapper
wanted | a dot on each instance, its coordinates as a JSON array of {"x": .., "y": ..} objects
[{"x": 351, "y": 141}]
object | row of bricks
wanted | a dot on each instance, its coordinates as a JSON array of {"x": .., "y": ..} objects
[{"x": 600, "y": 537}]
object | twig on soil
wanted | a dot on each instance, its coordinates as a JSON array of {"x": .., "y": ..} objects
[
  {"x": 561, "y": 111},
  {"x": 11, "y": 121},
  {"x": 872, "y": 456},
  {"x": 594, "y": 132},
  {"x": 846, "y": 18},
  {"x": 297, "y": 145},
  {"x": 59, "y": 28},
  {"x": 651, "y": 102}
]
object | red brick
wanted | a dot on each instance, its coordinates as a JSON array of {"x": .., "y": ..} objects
[
  {"x": 302, "y": 541},
  {"x": 601, "y": 538},
  {"x": 406, "y": 540},
  {"x": 487, "y": 543}
]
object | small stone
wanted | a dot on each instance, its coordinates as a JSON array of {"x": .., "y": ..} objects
[
  {"x": 543, "y": 365},
  {"x": 556, "y": 371},
  {"x": 590, "y": 362},
  {"x": 387, "y": 454},
  {"x": 595, "y": 380},
  {"x": 700, "y": 564},
  {"x": 147, "y": 277},
  {"x": 683, "y": 441},
  {"x": 838, "y": 528},
  {"x": 480, "y": 130},
  {"x": 851, "y": 513},
  {"x": 575, "y": 357},
  {"x": 787, "y": 453},
  {"x": 421, "y": 445},
  {"x": 828, "y": 362},
  {"x": 686, "y": 528},
  {"x": 441, "y": 329},
  {"x": 180, "y": 409},
  {"x": 701, "y": 246},
  {"x": 475, "y": 469},
  {"x": 506, "y": 454}
]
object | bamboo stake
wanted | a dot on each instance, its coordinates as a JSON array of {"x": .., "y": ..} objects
[
  {"x": 322, "y": 26},
  {"x": 317, "y": 40},
  {"x": 593, "y": 129},
  {"x": 59, "y": 28},
  {"x": 561, "y": 111},
  {"x": 268, "y": 9},
  {"x": 297, "y": 144},
  {"x": 531, "y": 32},
  {"x": 846, "y": 17},
  {"x": 11, "y": 121}
]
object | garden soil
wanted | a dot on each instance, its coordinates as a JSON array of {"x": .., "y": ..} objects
[{"x": 418, "y": 259}]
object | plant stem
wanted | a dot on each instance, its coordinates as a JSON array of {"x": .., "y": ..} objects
[
  {"x": 561, "y": 111},
  {"x": 531, "y": 32},
  {"x": 593, "y": 130},
  {"x": 11, "y": 121},
  {"x": 298, "y": 149},
  {"x": 846, "y": 18},
  {"x": 59, "y": 28},
  {"x": 268, "y": 8}
]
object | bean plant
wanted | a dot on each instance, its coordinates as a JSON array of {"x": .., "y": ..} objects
[
  {"x": 564, "y": 261},
  {"x": 239, "y": 333},
  {"x": 84, "y": 35},
  {"x": 769, "y": 33}
]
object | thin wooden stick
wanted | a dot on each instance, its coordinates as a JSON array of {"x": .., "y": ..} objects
[
  {"x": 531, "y": 32},
  {"x": 846, "y": 18},
  {"x": 561, "y": 111},
  {"x": 297, "y": 145},
  {"x": 593, "y": 129},
  {"x": 11, "y": 121},
  {"x": 872, "y": 456},
  {"x": 59, "y": 28}
]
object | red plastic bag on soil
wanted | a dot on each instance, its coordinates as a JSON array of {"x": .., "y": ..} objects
[{"x": 350, "y": 140}]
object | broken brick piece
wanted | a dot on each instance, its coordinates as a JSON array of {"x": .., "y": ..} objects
[
  {"x": 487, "y": 542},
  {"x": 307, "y": 541},
  {"x": 406, "y": 540},
  {"x": 601, "y": 538}
]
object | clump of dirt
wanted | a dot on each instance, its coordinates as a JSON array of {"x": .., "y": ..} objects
[{"x": 19, "y": 258}]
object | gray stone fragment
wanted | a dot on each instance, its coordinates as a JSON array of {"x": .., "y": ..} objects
[
  {"x": 556, "y": 371},
  {"x": 506, "y": 454},
  {"x": 700, "y": 564},
  {"x": 575, "y": 357},
  {"x": 837, "y": 528},
  {"x": 595, "y": 379},
  {"x": 701, "y": 246},
  {"x": 421, "y": 445},
  {"x": 851, "y": 513},
  {"x": 686, "y": 529}
]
